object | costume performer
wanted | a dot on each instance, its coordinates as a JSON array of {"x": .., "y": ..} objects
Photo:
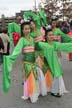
[
  {"x": 50, "y": 48},
  {"x": 30, "y": 76},
  {"x": 45, "y": 76}
]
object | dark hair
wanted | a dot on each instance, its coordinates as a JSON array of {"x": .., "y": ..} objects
[
  {"x": 4, "y": 29},
  {"x": 54, "y": 18},
  {"x": 31, "y": 20},
  {"x": 46, "y": 32},
  {"x": 22, "y": 26},
  {"x": 17, "y": 16}
]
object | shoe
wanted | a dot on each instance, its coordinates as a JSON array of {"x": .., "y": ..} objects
[
  {"x": 24, "y": 98},
  {"x": 33, "y": 99},
  {"x": 70, "y": 59},
  {"x": 22, "y": 83},
  {"x": 56, "y": 94}
]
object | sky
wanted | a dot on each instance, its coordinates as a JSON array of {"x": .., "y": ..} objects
[{"x": 9, "y": 7}]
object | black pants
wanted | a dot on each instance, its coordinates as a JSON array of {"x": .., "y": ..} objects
[{"x": 1, "y": 58}]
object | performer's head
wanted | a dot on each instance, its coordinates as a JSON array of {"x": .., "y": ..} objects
[
  {"x": 32, "y": 24},
  {"x": 18, "y": 19},
  {"x": 25, "y": 28},
  {"x": 4, "y": 30},
  {"x": 49, "y": 36},
  {"x": 54, "y": 21}
]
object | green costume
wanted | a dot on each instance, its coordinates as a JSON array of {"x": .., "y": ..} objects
[
  {"x": 30, "y": 14},
  {"x": 28, "y": 62},
  {"x": 65, "y": 38},
  {"x": 37, "y": 34},
  {"x": 42, "y": 16},
  {"x": 51, "y": 56},
  {"x": 39, "y": 18}
]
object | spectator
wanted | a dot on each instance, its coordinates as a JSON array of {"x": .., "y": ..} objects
[
  {"x": 1, "y": 50},
  {"x": 65, "y": 27},
  {"x": 5, "y": 40}
]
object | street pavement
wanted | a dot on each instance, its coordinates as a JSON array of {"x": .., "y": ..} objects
[{"x": 12, "y": 99}]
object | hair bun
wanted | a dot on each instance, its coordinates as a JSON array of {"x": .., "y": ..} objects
[
  {"x": 48, "y": 28},
  {"x": 26, "y": 20}
]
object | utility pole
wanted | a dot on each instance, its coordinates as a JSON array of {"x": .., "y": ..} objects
[
  {"x": 35, "y": 5},
  {"x": 63, "y": 9}
]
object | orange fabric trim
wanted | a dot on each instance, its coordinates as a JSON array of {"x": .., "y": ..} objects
[
  {"x": 31, "y": 84},
  {"x": 49, "y": 78},
  {"x": 41, "y": 62}
]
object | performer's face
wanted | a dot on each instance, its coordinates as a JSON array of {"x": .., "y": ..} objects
[
  {"x": 18, "y": 19},
  {"x": 26, "y": 30},
  {"x": 50, "y": 36},
  {"x": 32, "y": 25},
  {"x": 53, "y": 23}
]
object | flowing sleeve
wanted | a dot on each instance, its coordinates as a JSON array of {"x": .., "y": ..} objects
[
  {"x": 42, "y": 16},
  {"x": 8, "y": 63},
  {"x": 10, "y": 30},
  {"x": 40, "y": 45},
  {"x": 30, "y": 14},
  {"x": 66, "y": 47},
  {"x": 63, "y": 35}
]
